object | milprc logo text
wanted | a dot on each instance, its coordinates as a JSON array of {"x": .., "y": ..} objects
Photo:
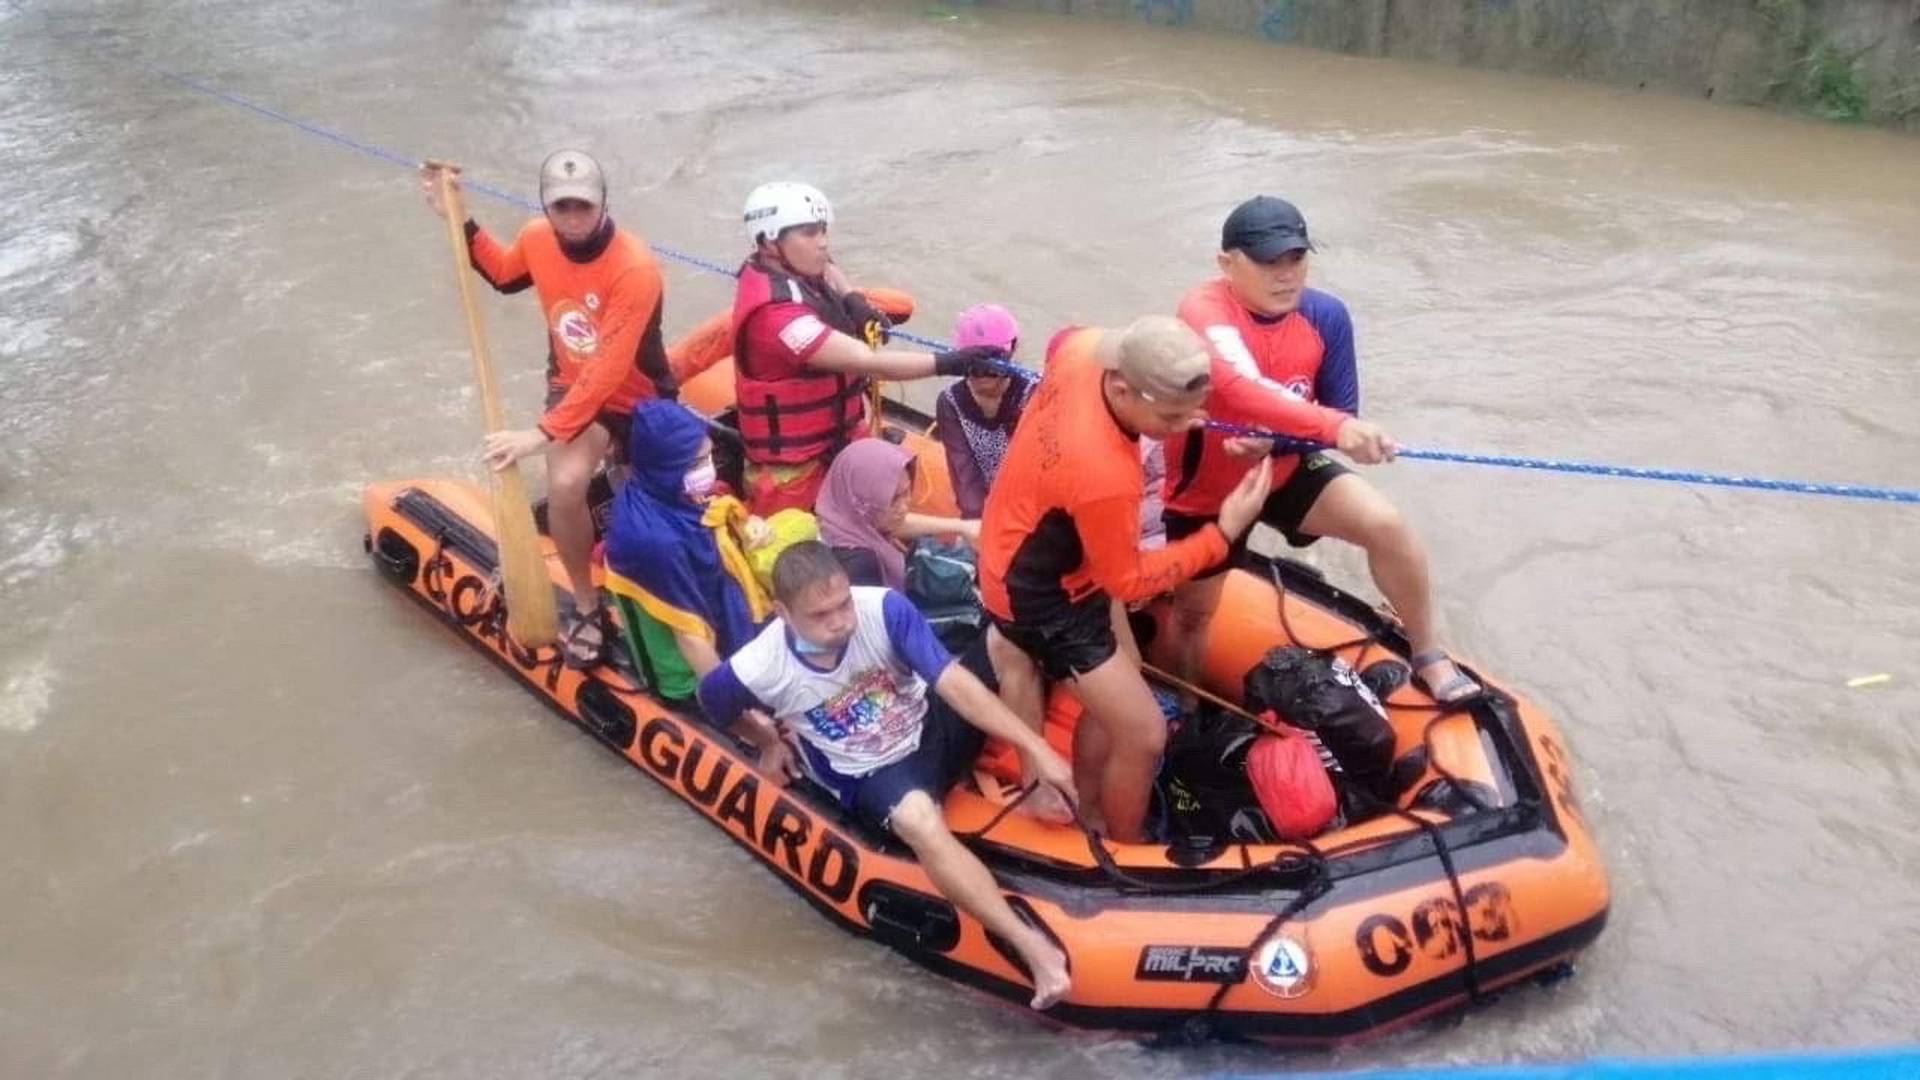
[{"x": 1192, "y": 963}]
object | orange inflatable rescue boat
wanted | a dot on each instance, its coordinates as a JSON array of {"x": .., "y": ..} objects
[{"x": 1429, "y": 906}]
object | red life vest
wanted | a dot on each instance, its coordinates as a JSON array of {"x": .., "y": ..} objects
[{"x": 791, "y": 414}]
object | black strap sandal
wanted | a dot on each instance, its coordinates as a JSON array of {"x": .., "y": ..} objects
[{"x": 581, "y": 652}]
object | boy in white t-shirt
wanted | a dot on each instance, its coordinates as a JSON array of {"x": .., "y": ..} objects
[{"x": 848, "y": 670}]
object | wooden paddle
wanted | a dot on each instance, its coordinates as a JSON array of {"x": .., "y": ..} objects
[
  {"x": 531, "y": 615},
  {"x": 1264, "y": 720},
  {"x": 1179, "y": 683}
]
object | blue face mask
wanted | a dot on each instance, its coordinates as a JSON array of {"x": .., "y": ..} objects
[{"x": 807, "y": 648}]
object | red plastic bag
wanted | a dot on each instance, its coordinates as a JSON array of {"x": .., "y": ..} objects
[{"x": 1292, "y": 785}]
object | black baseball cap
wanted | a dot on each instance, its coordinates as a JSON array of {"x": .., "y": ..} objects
[{"x": 1265, "y": 228}]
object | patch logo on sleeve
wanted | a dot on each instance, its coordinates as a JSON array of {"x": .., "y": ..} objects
[{"x": 799, "y": 333}]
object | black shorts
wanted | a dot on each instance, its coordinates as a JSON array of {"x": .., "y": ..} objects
[
  {"x": 618, "y": 424},
  {"x": 1286, "y": 507},
  {"x": 948, "y": 748},
  {"x": 1068, "y": 641}
]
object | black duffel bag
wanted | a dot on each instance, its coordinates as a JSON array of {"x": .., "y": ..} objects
[{"x": 1325, "y": 696}]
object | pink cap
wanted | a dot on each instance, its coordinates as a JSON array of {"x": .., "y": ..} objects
[{"x": 986, "y": 324}]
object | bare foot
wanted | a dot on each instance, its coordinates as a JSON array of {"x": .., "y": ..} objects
[
  {"x": 1049, "y": 967},
  {"x": 1048, "y": 805},
  {"x": 1093, "y": 819}
]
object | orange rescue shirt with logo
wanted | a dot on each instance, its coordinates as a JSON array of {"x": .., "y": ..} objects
[
  {"x": 1293, "y": 375},
  {"x": 603, "y": 319},
  {"x": 1063, "y": 519}
]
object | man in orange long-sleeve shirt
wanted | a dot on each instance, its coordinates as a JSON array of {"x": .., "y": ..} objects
[
  {"x": 600, "y": 295},
  {"x": 1060, "y": 540}
]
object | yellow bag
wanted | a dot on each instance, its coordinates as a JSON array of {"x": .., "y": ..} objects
[{"x": 789, "y": 528}]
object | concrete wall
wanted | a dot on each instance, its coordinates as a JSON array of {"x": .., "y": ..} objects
[{"x": 1843, "y": 59}]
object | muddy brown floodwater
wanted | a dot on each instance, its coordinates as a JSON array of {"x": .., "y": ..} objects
[{"x": 262, "y": 818}]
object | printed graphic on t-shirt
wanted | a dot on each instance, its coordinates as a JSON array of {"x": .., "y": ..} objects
[{"x": 866, "y": 719}]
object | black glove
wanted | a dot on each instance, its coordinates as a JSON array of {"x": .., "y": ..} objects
[
  {"x": 961, "y": 361},
  {"x": 872, "y": 322}
]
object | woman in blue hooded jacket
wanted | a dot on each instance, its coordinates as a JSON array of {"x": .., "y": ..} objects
[{"x": 676, "y": 562}]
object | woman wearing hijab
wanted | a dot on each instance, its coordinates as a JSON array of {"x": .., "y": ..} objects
[
  {"x": 864, "y": 518},
  {"x": 975, "y": 416},
  {"x": 862, "y": 513},
  {"x": 676, "y": 555}
]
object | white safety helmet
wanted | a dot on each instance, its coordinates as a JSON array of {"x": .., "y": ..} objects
[{"x": 772, "y": 208}]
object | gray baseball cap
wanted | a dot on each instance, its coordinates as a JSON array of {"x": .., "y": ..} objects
[
  {"x": 1159, "y": 356},
  {"x": 572, "y": 174}
]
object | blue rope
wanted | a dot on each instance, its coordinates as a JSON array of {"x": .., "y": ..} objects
[
  {"x": 311, "y": 129},
  {"x": 471, "y": 185},
  {"x": 407, "y": 162},
  {"x": 1286, "y": 445},
  {"x": 1283, "y": 443},
  {"x": 939, "y": 346}
]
